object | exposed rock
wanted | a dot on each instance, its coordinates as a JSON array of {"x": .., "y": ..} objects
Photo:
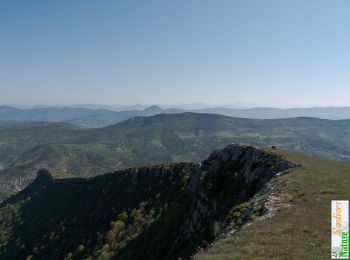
[
  {"x": 43, "y": 175},
  {"x": 233, "y": 175},
  {"x": 190, "y": 205}
]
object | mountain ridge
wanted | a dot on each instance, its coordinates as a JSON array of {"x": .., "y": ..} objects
[
  {"x": 152, "y": 212},
  {"x": 100, "y": 117},
  {"x": 160, "y": 138}
]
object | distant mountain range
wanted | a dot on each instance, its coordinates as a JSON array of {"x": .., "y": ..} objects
[
  {"x": 83, "y": 117},
  {"x": 27, "y": 147},
  {"x": 94, "y": 118},
  {"x": 333, "y": 113}
]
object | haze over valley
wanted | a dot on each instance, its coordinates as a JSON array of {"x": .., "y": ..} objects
[
  {"x": 174, "y": 130},
  {"x": 94, "y": 118}
]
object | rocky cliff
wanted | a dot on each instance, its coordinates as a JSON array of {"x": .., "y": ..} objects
[{"x": 150, "y": 212}]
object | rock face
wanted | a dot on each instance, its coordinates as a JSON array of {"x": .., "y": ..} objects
[
  {"x": 228, "y": 177},
  {"x": 151, "y": 212},
  {"x": 43, "y": 176},
  {"x": 15, "y": 185}
]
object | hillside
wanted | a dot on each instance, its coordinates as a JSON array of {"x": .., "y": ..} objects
[
  {"x": 82, "y": 117},
  {"x": 25, "y": 148},
  {"x": 90, "y": 117},
  {"x": 95, "y": 118},
  {"x": 228, "y": 207},
  {"x": 333, "y": 113},
  {"x": 300, "y": 226},
  {"x": 150, "y": 212}
]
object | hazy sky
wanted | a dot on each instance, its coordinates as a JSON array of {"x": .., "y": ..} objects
[{"x": 258, "y": 53}]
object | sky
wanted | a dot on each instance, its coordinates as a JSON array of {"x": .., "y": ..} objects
[{"x": 281, "y": 53}]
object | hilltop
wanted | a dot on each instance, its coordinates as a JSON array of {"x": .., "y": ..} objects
[
  {"x": 300, "y": 226},
  {"x": 25, "y": 148}
]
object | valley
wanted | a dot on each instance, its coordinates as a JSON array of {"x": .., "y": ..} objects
[{"x": 27, "y": 147}]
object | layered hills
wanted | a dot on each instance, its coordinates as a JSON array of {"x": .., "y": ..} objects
[
  {"x": 93, "y": 117},
  {"x": 69, "y": 150},
  {"x": 82, "y": 117}
]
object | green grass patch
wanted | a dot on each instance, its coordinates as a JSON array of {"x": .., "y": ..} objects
[
  {"x": 60, "y": 174},
  {"x": 233, "y": 134},
  {"x": 4, "y": 194},
  {"x": 156, "y": 142},
  {"x": 298, "y": 231}
]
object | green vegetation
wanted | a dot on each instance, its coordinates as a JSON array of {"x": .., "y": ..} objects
[
  {"x": 300, "y": 228},
  {"x": 235, "y": 134},
  {"x": 59, "y": 174},
  {"x": 4, "y": 194},
  {"x": 167, "y": 211},
  {"x": 150, "y": 212},
  {"x": 26, "y": 148}
]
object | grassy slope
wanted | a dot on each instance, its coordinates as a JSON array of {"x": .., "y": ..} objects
[
  {"x": 300, "y": 230},
  {"x": 59, "y": 174},
  {"x": 16, "y": 139},
  {"x": 4, "y": 194}
]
